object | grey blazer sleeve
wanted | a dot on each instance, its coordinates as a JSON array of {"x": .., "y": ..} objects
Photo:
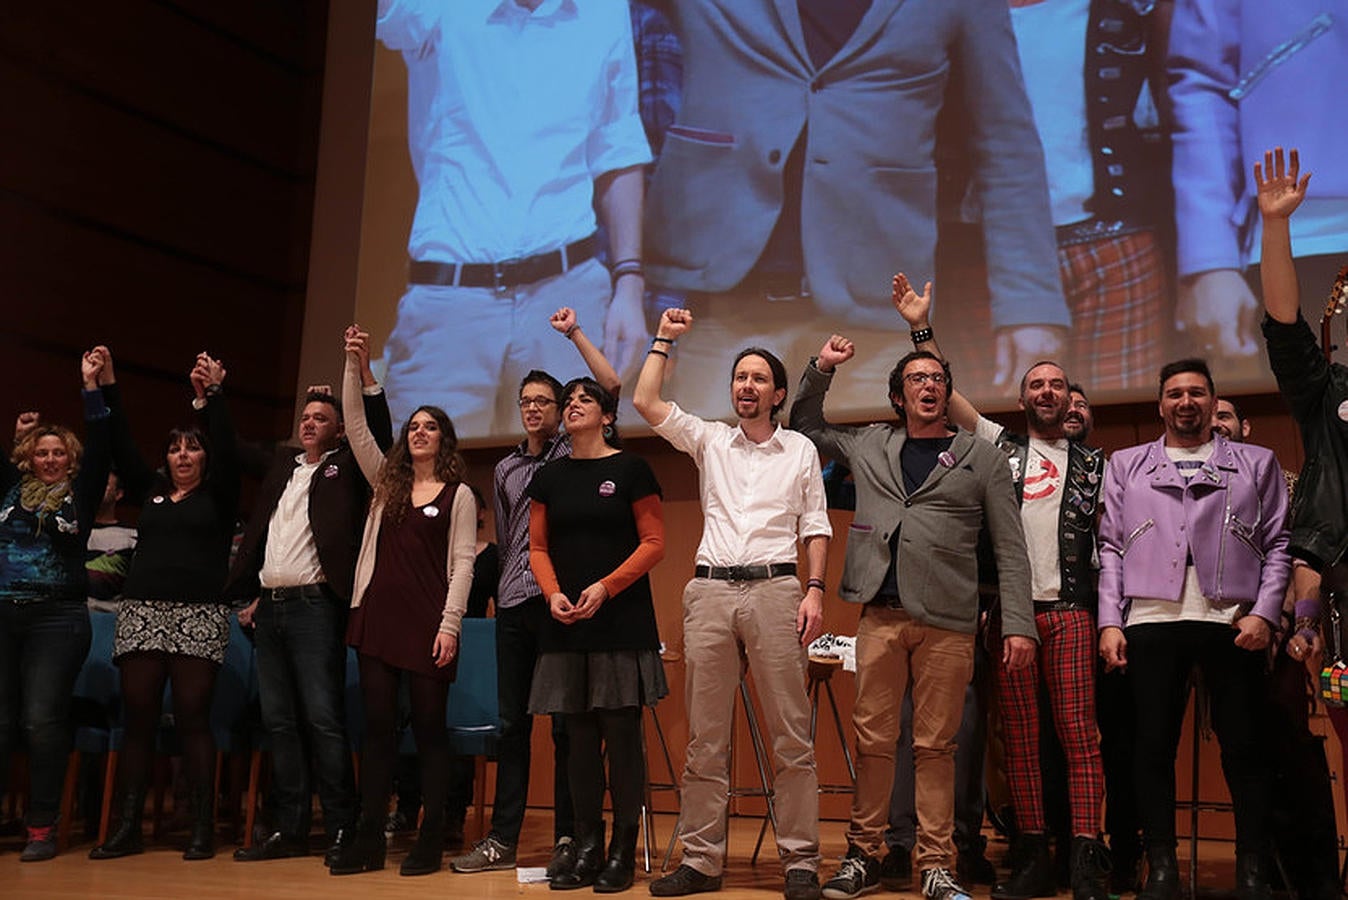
[{"x": 1002, "y": 514}]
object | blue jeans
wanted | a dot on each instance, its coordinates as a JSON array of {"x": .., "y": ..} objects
[
  {"x": 517, "y": 630},
  {"x": 301, "y": 667},
  {"x": 42, "y": 647}
]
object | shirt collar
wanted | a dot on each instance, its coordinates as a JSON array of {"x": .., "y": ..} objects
[
  {"x": 774, "y": 441},
  {"x": 522, "y": 448},
  {"x": 511, "y": 13},
  {"x": 300, "y": 458}
]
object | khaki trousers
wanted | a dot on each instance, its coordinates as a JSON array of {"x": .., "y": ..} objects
[
  {"x": 725, "y": 625},
  {"x": 892, "y": 649}
]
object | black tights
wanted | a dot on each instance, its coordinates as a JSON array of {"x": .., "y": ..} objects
[
  {"x": 618, "y": 731},
  {"x": 379, "y": 689},
  {"x": 193, "y": 684}
]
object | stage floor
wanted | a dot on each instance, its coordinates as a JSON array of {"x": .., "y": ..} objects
[{"x": 161, "y": 873}]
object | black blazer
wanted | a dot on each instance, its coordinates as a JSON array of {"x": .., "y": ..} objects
[{"x": 338, "y": 496}]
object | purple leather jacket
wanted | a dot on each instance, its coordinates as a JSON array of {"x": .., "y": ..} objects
[{"x": 1231, "y": 515}]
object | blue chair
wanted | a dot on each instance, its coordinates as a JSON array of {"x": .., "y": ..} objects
[{"x": 473, "y": 713}]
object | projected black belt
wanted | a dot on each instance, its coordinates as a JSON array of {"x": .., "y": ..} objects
[{"x": 506, "y": 273}]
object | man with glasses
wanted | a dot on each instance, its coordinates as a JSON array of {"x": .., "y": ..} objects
[
  {"x": 924, "y": 492},
  {"x": 521, "y": 613}
]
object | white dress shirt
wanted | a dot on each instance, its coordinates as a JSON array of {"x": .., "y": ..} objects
[
  {"x": 512, "y": 115},
  {"x": 291, "y": 555},
  {"x": 758, "y": 500}
]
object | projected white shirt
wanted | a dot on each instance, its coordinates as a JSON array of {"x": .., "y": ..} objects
[{"x": 512, "y": 115}]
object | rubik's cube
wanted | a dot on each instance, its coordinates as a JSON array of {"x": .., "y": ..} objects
[{"x": 1334, "y": 684}]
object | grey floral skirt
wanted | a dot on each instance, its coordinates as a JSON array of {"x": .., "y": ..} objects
[
  {"x": 576, "y": 682},
  {"x": 189, "y": 629}
]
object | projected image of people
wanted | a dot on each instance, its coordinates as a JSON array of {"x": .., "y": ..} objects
[
  {"x": 522, "y": 122},
  {"x": 802, "y": 170},
  {"x": 1242, "y": 82}
]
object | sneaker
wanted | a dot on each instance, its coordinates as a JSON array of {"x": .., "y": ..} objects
[
  {"x": 857, "y": 874},
  {"x": 683, "y": 881},
  {"x": 487, "y": 855},
  {"x": 41, "y": 844},
  {"x": 801, "y": 884},
  {"x": 563, "y": 857},
  {"x": 896, "y": 871},
  {"x": 939, "y": 884}
]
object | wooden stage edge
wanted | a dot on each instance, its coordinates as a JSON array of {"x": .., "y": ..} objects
[{"x": 161, "y": 872}]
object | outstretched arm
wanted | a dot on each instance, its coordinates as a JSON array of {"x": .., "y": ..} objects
[
  {"x": 1281, "y": 190},
  {"x": 674, "y": 323},
  {"x": 564, "y": 321},
  {"x": 362, "y": 440},
  {"x": 916, "y": 311},
  {"x": 619, "y": 197}
]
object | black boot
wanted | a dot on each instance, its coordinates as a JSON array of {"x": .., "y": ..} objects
[
  {"x": 1251, "y": 877},
  {"x": 201, "y": 845},
  {"x": 1162, "y": 875},
  {"x": 427, "y": 853},
  {"x": 126, "y": 840},
  {"x": 1090, "y": 869},
  {"x": 363, "y": 853},
  {"x": 1031, "y": 870},
  {"x": 621, "y": 868},
  {"x": 1125, "y": 857},
  {"x": 589, "y": 861}
]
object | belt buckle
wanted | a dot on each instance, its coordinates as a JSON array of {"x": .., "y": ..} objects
[
  {"x": 500, "y": 271},
  {"x": 739, "y": 573}
]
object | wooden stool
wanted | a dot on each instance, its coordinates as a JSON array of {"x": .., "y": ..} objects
[{"x": 820, "y": 673}]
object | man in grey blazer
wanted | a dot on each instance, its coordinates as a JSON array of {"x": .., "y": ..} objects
[
  {"x": 804, "y": 165},
  {"x": 924, "y": 492}
]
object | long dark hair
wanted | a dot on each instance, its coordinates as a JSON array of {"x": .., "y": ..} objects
[
  {"x": 608, "y": 405},
  {"x": 394, "y": 487}
]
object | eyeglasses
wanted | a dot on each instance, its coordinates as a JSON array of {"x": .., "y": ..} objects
[
  {"x": 917, "y": 379},
  {"x": 536, "y": 402}
]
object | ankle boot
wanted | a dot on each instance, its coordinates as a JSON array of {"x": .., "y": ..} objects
[
  {"x": 427, "y": 853},
  {"x": 589, "y": 861},
  {"x": 1090, "y": 869},
  {"x": 1251, "y": 877},
  {"x": 126, "y": 839},
  {"x": 1162, "y": 875},
  {"x": 621, "y": 868},
  {"x": 201, "y": 845},
  {"x": 1031, "y": 870},
  {"x": 365, "y": 852}
]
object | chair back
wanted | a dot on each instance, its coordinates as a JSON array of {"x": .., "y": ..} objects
[
  {"x": 235, "y": 688},
  {"x": 97, "y": 706},
  {"x": 473, "y": 713}
]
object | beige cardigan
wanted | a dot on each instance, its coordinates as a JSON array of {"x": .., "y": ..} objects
[{"x": 462, "y": 521}]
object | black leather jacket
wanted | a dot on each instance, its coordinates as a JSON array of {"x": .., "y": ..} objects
[
  {"x": 1076, "y": 517},
  {"x": 1317, "y": 393}
]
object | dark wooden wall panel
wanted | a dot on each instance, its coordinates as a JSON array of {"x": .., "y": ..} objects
[{"x": 156, "y": 194}]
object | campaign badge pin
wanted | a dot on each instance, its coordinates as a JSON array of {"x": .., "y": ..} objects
[
  {"x": 159, "y": 499},
  {"x": 331, "y": 471},
  {"x": 947, "y": 459},
  {"x": 607, "y": 488},
  {"x": 431, "y": 512}
]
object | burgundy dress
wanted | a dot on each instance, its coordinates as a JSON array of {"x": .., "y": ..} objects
[{"x": 400, "y": 613}]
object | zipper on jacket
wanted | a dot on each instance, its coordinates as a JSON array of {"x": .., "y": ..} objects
[
  {"x": 1137, "y": 533},
  {"x": 1280, "y": 54}
]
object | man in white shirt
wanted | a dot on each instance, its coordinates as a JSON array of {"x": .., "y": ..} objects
[
  {"x": 522, "y": 121},
  {"x": 762, "y": 493}
]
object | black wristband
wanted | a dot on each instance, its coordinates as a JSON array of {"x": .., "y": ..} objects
[
  {"x": 657, "y": 353},
  {"x": 659, "y": 340},
  {"x": 815, "y": 583},
  {"x": 921, "y": 336}
]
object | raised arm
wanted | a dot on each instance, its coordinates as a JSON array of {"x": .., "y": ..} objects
[
  {"x": 223, "y": 482},
  {"x": 564, "y": 321},
  {"x": 358, "y": 434},
  {"x": 807, "y": 410},
  {"x": 619, "y": 198},
  {"x": 1281, "y": 190},
  {"x": 915, "y": 309},
  {"x": 674, "y": 323},
  {"x": 137, "y": 476}
]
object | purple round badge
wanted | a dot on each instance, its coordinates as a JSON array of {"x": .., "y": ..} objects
[
  {"x": 606, "y": 488},
  {"x": 947, "y": 459}
]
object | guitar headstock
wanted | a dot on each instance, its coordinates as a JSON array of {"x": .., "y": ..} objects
[{"x": 1338, "y": 296}]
